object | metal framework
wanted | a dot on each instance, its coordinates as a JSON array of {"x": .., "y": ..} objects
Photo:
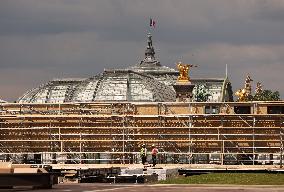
[{"x": 221, "y": 133}]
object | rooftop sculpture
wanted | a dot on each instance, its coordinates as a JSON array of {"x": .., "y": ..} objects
[
  {"x": 242, "y": 94},
  {"x": 183, "y": 86},
  {"x": 184, "y": 70},
  {"x": 248, "y": 84},
  {"x": 150, "y": 58},
  {"x": 245, "y": 93},
  {"x": 258, "y": 89}
]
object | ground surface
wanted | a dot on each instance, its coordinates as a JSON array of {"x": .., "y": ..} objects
[
  {"x": 93, "y": 187},
  {"x": 229, "y": 178}
]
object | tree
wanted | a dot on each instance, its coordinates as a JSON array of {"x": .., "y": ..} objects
[
  {"x": 201, "y": 93},
  {"x": 267, "y": 95}
]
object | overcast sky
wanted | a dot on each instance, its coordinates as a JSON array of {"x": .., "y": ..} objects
[{"x": 45, "y": 39}]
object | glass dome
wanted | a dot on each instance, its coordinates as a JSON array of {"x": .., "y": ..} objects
[{"x": 147, "y": 81}]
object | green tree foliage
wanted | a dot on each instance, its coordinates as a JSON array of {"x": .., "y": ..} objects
[
  {"x": 201, "y": 93},
  {"x": 267, "y": 95}
]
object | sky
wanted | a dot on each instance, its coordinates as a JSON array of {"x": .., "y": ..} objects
[{"x": 45, "y": 39}]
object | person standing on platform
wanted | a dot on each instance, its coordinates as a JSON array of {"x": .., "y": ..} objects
[
  {"x": 143, "y": 154},
  {"x": 154, "y": 155}
]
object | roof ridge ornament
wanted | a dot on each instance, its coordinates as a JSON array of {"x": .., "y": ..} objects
[
  {"x": 150, "y": 43},
  {"x": 150, "y": 58}
]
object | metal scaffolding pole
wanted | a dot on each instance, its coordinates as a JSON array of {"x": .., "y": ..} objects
[
  {"x": 281, "y": 142},
  {"x": 253, "y": 138}
]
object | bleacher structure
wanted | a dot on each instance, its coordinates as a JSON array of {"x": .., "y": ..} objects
[{"x": 109, "y": 132}]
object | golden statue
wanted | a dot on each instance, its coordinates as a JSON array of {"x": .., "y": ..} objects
[
  {"x": 184, "y": 71},
  {"x": 245, "y": 93},
  {"x": 242, "y": 94}
]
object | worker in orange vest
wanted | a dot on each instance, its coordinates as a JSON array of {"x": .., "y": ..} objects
[{"x": 154, "y": 154}]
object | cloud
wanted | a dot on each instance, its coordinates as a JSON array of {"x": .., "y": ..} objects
[{"x": 13, "y": 83}]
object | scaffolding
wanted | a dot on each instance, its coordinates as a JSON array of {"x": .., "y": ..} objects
[{"x": 194, "y": 132}]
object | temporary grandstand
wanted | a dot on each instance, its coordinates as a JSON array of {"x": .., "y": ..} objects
[{"x": 185, "y": 132}]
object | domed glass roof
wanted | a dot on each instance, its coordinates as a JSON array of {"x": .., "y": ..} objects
[{"x": 147, "y": 81}]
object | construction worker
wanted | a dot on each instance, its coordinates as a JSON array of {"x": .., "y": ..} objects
[
  {"x": 154, "y": 154},
  {"x": 143, "y": 154}
]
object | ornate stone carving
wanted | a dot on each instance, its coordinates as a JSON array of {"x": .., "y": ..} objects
[
  {"x": 248, "y": 84},
  {"x": 258, "y": 89}
]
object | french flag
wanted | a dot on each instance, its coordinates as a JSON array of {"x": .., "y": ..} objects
[{"x": 152, "y": 23}]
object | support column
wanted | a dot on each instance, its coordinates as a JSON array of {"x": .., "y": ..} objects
[
  {"x": 123, "y": 141},
  {"x": 7, "y": 157},
  {"x": 54, "y": 158},
  {"x": 253, "y": 140},
  {"x": 271, "y": 159},
  {"x": 281, "y": 143},
  {"x": 84, "y": 156},
  {"x": 37, "y": 158},
  {"x": 222, "y": 152},
  {"x": 189, "y": 137},
  {"x": 24, "y": 159},
  {"x": 69, "y": 157}
]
